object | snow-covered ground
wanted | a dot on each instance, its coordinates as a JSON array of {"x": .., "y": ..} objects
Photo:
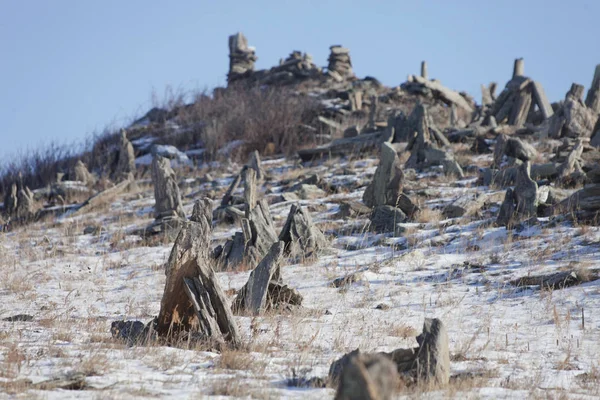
[{"x": 509, "y": 342}]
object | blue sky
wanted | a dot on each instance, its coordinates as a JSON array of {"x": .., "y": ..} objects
[{"x": 70, "y": 68}]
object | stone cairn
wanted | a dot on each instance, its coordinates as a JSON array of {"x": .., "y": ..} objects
[
  {"x": 296, "y": 67},
  {"x": 126, "y": 159},
  {"x": 241, "y": 58},
  {"x": 340, "y": 65},
  {"x": 373, "y": 376}
]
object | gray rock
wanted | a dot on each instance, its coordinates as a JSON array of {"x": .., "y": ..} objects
[
  {"x": 387, "y": 183},
  {"x": 507, "y": 209},
  {"x": 253, "y": 296},
  {"x": 82, "y": 174},
  {"x": 300, "y": 235},
  {"x": 166, "y": 192},
  {"x": 384, "y": 218},
  {"x": 433, "y": 356},
  {"x": 525, "y": 192},
  {"x": 126, "y": 161},
  {"x": 367, "y": 377},
  {"x": 11, "y": 200}
]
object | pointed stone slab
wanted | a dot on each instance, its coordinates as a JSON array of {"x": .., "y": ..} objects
[
  {"x": 541, "y": 100},
  {"x": 387, "y": 183},
  {"x": 300, "y": 234},
  {"x": 253, "y": 296}
]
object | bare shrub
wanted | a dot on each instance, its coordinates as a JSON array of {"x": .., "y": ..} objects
[{"x": 258, "y": 116}]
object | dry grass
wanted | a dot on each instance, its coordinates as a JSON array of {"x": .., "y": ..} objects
[{"x": 429, "y": 215}]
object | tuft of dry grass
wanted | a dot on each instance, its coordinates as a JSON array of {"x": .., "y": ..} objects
[{"x": 429, "y": 215}]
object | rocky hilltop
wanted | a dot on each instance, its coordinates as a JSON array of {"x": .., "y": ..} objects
[{"x": 305, "y": 233}]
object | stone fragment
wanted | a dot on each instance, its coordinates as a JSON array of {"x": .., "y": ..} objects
[
  {"x": 166, "y": 192},
  {"x": 367, "y": 377},
  {"x": 300, "y": 235},
  {"x": 126, "y": 159}
]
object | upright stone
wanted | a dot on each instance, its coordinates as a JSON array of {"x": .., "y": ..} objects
[
  {"x": 433, "y": 359},
  {"x": 300, "y": 235},
  {"x": 11, "y": 200},
  {"x": 82, "y": 174},
  {"x": 166, "y": 192},
  {"x": 519, "y": 68},
  {"x": 592, "y": 100},
  {"x": 193, "y": 297},
  {"x": 386, "y": 186},
  {"x": 126, "y": 162},
  {"x": 424, "y": 73},
  {"x": 525, "y": 192},
  {"x": 255, "y": 164},
  {"x": 367, "y": 377},
  {"x": 373, "y": 113},
  {"x": 253, "y": 296}
]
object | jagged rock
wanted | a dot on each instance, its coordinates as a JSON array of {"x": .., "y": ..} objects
[
  {"x": 433, "y": 356},
  {"x": 519, "y": 98},
  {"x": 512, "y": 147},
  {"x": 583, "y": 205},
  {"x": 82, "y": 174},
  {"x": 428, "y": 363},
  {"x": 167, "y": 198},
  {"x": 132, "y": 332},
  {"x": 572, "y": 164},
  {"x": 351, "y": 132},
  {"x": 300, "y": 235},
  {"x": 592, "y": 100},
  {"x": 253, "y": 296},
  {"x": 520, "y": 203},
  {"x": 426, "y": 145},
  {"x": 556, "y": 281},
  {"x": 228, "y": 196},
  {"x": 25, "y": 209},
  {"x": 241, "y": 58},
  {"x": 525, "y": 192},
  {"x": 193, "y": 298},
  {"x": 595, "y": 139},
  {"x": 310, "y": 192},
  {"x": 367, "y": 377},
  {"x": 507, "y": 209},
  {"x": 507, "y": 176},
  {"x": 385, "y": 218},
  {"x": 572, "y": 118},
  {"x": 433, "y": 156},
  {"x": 352, "y": 209},
  {"x": 255, "y": 164},
  {"x": 480, "y": 146},
  {"x": 126, "y": 160},
  {"x": 387, "y": 183},
  {"x": 466, "y": 205},
  {"x": 418, "y": 84},
  {"x": 251, "y": 245},
  {"x": 11, "y": 200}
]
